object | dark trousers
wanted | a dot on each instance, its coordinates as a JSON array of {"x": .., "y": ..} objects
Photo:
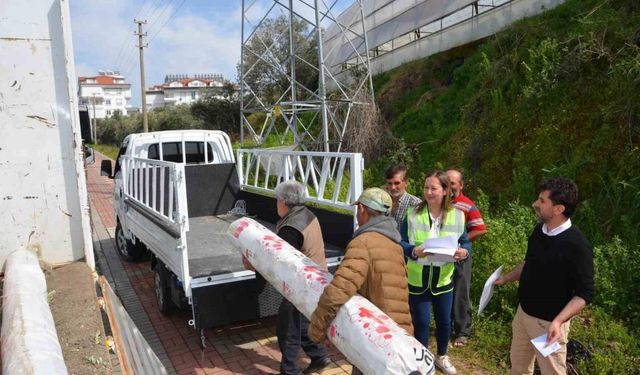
[
  {"x": 292, "y": 334},
  {"x": 421, "y": 315},
  {"x": 461, "y": 312}
]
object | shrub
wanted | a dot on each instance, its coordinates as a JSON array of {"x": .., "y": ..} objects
[{"x": 617, "y": 272}]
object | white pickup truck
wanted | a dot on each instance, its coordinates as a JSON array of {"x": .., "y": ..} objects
[{"x": 176, "y": 192}]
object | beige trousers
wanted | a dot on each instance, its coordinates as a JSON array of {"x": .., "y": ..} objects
[{"x": 526, "y": 327}]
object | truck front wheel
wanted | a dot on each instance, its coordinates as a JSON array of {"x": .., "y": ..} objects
[
  {"x": 163, "y": 289},
  {"x": 127, "y": 250}
]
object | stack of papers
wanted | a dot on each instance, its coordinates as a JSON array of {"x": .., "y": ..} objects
[{"x": 442, "y": 248}]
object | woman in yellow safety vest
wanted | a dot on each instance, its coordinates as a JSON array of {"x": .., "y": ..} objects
[{"x": 431, "y": 275}]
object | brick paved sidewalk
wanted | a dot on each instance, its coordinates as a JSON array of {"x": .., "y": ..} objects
[{"x": 248, "y": 348}]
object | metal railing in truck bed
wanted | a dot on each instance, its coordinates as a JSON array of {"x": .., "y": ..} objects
[
  {"x": 333, "y": 178},
  {"x": 158, "y": 186}
]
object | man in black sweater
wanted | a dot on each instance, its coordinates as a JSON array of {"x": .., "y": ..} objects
[{"x": 556, "y": 280}]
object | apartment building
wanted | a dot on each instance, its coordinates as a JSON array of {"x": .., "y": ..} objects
[
  {"x": 185, "y": 89},
  {"x": 105, "y": 94}
]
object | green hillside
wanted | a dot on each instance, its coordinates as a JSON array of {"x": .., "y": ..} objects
[{"x": 557, "y": 94}]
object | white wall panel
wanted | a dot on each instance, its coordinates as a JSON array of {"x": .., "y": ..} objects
[{"x": 43, "y": 196}]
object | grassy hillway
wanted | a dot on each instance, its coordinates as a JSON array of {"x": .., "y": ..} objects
[{"x": 552, "y": 95}]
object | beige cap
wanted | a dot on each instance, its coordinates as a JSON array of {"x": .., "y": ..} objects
[{"x": 376, "y": 199}]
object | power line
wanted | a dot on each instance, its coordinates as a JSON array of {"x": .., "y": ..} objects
[
  {"x": 156, "y": 19},
  {"x": 126, "y": 58},
  {"x": 167, "y": 21},
  {"x": 144, "y": 3},
  {"x": 130, "y": 65},
  {"x": 130, "y": 62},
  {"x": 126, "y": 44},
  {"x": 129, "y": 58},
  {"x": 154, "y": 15}
]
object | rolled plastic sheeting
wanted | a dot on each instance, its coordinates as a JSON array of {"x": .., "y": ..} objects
[
  {"x": 29, "y": 340},
  {"x": 369, "y": 339}
]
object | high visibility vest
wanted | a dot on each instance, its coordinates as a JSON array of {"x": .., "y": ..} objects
[{"x": 434, "y": 276}]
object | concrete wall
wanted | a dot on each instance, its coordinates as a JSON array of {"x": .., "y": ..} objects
[{"x": 43, "y": 196}]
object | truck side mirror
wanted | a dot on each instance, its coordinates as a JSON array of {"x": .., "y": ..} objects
[
  {"x": 89, "y": 156},
  {"x": 105, "y": 168}
]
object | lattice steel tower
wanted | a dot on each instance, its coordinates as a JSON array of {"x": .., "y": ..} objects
[{"x": 295, "y": 86}]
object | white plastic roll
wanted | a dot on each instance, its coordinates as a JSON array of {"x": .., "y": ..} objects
[
  {"x": 369, "y": 339},
  {"x": 29, "y": 340}
]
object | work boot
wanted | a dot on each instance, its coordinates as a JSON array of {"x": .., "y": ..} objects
[{"x": 316, "y": 366}]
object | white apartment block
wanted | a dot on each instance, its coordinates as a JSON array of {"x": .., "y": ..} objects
[
  {"x": 184, "y": 89},
  {"x": 105, "y": 93}
]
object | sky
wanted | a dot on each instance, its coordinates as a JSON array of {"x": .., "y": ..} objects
[{"x": 183, "y": 36}]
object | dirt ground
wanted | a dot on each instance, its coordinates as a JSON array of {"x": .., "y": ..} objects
[{"x": 73, "y": 302}]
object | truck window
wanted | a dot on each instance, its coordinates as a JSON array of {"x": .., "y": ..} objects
[{"x": 172, "y": 151}]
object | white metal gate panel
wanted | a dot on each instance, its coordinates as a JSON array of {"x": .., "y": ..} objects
[{"x": 332, "y": 178}]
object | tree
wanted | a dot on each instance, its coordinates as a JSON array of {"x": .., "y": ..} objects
[
  {"x": 218, "y": 114},
  {"x": 266, "y": 66},
  {"x": 229, "y": 90},
  {"x": 174, "y": 117}
]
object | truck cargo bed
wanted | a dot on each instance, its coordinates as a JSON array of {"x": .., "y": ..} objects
[{"x": 210, "y": 251}]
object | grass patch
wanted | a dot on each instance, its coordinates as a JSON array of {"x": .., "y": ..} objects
[{"x": 110, "y": 151}]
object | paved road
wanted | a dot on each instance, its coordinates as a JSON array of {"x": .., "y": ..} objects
[{"x": 248, "y": 348}]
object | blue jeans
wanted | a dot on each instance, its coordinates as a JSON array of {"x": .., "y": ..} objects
[
  {"x": 421, "y": 315},
  {"x": 292, "y": 334}
]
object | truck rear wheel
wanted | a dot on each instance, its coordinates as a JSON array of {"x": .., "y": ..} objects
[
  {"x": 127, "y": 250},
  {"x": 162, "y": 279}
]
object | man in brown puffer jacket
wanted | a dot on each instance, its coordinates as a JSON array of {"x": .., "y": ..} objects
[{"x": 373, "y": 266}]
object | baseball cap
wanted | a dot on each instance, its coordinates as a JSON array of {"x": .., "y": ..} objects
[{"x": 376, "y": 199}]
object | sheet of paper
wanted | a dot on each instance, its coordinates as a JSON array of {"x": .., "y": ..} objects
[
  {"x": 541, "y": 341},
  {"x": 487, "y": 291},
  {"x": 442, "y": 245},
  {"x": 442, "y": 248}
]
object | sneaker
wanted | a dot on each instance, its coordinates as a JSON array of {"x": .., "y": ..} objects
[
  {"x": 316, "y": 366},
  {"x": 445, "y": 365}
]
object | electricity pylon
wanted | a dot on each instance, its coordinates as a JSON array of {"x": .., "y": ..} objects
[{"x": 304, "y": 68}]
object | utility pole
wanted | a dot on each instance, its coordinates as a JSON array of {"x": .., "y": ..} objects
[
  {"x": 141, "y": 46},
  {"x": 94, "y": 133}
]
